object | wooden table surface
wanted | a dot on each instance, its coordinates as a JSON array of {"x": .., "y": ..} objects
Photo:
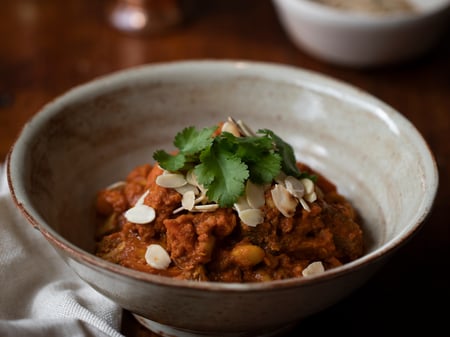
[{"x": 48, "y": 46}]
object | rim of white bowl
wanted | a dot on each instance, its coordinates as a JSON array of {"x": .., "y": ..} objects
[
  {"x": 280, "y": 72},
  {"x": 329, "y": 13}
]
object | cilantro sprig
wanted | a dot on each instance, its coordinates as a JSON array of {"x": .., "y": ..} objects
[
  {"x": 223, "y": 163},
  {"x": 190, "y": 143},
  {"x": 288, "y": 163}
]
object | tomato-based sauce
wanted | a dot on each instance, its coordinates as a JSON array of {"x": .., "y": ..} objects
[{"x": 216, "y": 245}]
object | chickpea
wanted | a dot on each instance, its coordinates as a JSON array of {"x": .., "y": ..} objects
[{"x": 247, "y": 255}]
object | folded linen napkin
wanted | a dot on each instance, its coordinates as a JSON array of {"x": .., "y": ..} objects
[{"x": 40, "y": 295}]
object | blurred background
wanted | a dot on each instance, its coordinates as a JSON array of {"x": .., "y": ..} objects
[{"x": 48, "y": 46}]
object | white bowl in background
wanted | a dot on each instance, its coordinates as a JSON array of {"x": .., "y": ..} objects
[{"x": 361, "y": 39}]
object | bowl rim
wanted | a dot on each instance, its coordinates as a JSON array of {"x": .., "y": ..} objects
[
  {"x": 292, "y": 74},
  {"x": 331, "y": 14}
]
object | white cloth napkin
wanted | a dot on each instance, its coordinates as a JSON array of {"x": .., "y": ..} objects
[{"x": 39, "y": 295}]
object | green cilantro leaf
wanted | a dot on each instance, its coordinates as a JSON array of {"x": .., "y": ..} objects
[
  {"x": 190, "y": 141},
  {"x": 288, "y": 164},
  {"x": 222, "y": 173},
  {"x": 224, "y": 163},
  {"x": 259, "y": 154},
  {"x": 170, "y": 162},
  {"x": 265, "y": 169}
]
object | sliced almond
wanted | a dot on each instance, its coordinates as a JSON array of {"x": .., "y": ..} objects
[
  {"x": 255, "y": 194},
  {"x": 313, "y": 268},
  {"x": 201, "y": 199},
  {"x": 191, "y": 178},
  {"x": 178, "y": 210},
  {"x": 171, "y": 180},
  {"x": 294, "y": 186},
  {"x": 308, "y": 184},
  {"x": 311, "y": 197},
  {"x": 188, "y": 187},
  {"x": 251, "y": 217},
  {"x": 188, "y": 200},
  {"x": 284, "y": 201},
  {"x": 232, "y": 128},
  {"x": 140, "y": 214},
  {"x": 205, "y": 208},
  {"x": 157, "y": 257},
  {"x": 245, "y": 130},
  {"x": 241, "y": 204},
  {"x": 304, "y": 204}
]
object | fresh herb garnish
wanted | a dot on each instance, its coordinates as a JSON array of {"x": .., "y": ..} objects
[
  {"x": 288, "y": 163},
  {"x": 223, "y": 164},
  {"x": 222, "y": 172}
]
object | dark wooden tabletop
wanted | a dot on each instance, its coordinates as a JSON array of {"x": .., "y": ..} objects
[{"x": 48, "y": 46}]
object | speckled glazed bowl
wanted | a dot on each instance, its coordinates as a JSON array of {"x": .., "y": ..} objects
[{"x": 96, "y": 133}]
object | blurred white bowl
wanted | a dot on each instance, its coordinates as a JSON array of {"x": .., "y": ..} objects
[{"x": 362, "y": 39}]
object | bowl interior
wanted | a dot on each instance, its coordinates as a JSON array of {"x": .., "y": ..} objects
[
  {"x": 430, "y": 5},
  {"x": 421, "y": 8},
  {"x": 96, "y": 133}
]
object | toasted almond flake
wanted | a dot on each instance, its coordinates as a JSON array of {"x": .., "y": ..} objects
[
  {"x": 304, "y": 204},
  {"x": 171, "y": 180},
  {"x": 141, "y": 199},
  {"x": 188, "y": 187},
  {"x": 157, "y": 257},
  {"x": 203, "y": 195},
  {"x": 285, "y": 202},
  {"x": 188, "y": 200},
  {"x": 205, "y": 208},
  {"x": 245, "y": 130},
  {"x": 313, "y": 268},
  {"x": 117, "y": 184},
  {"x": 308, "y": 184},
  {"x": 140, "y": 214},
  {"x": 311, "y": 197},
  {"x": 178, "y": 210},
  {"x": 191, "y": 178},
  {"x": 295, "y": 187},
  {"x": 241, "y": 204},
  {"x": 201, "y": 199},
  {"x": 251, "y": 217},
  {"x": 232, "y": 128},
  {"x": 255, "y": 194},
  {"x": 192, "y": 209}
]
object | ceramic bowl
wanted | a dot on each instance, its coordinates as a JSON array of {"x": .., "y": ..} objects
[
  {"x": 362, "y": 39},
  {"x": 96, "y": 133}
]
